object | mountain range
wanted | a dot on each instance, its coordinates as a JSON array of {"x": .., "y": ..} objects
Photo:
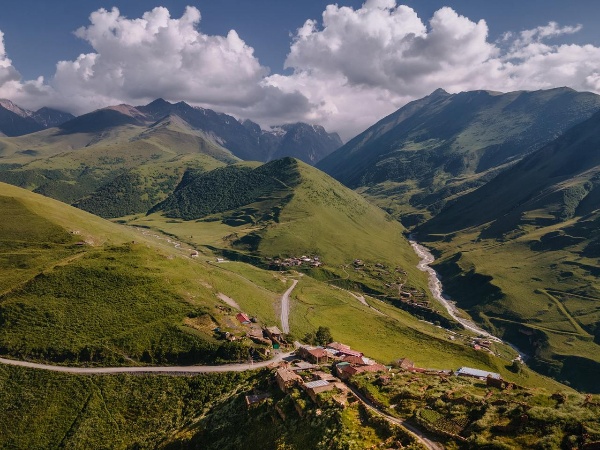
[
  {"x": 245, "y": 139},
  {"x": 138, "y": 154},
  {"x": 17, "y": 121},
  {"x": 440, "y": 147}
]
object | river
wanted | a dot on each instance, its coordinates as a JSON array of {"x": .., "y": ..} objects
[{"x": 436, "y": 288}]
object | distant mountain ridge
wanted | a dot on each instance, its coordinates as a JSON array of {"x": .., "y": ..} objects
[
  {"x": 439, "y": 147},
  {"x": 17, "y": 121},
  {"x": 246, "y": 140}
]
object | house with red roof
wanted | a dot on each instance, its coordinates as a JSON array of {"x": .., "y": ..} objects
[
  {"x": 316, "y": 355},
  {"x": 243, "y": 318}
]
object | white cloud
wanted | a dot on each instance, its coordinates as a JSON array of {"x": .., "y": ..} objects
[
  {"x": 365, "y": 63},
  {"x": 362, "y": 64},
  {"x": 544, "y": 32},
  {"x": 349, "y": 69},
  {"x": 158, "y": 56},
  {"x": 11, "y": 85}
]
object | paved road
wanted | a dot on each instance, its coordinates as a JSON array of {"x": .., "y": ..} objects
[
  {"x": 285, "y": 308},
  {"x": 418, "y": 434},
  {"x": 182, "y": 370}
]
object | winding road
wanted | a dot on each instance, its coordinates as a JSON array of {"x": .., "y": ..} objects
[
  {"x": 285, "y": 308},
  {"x": 177, "y": 370}
]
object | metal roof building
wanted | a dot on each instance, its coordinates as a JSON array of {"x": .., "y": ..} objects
[
  {"x": 476, "y": 373},
  {"x": 316, "y": 384}
]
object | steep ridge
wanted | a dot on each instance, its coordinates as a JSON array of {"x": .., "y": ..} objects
[
  {"x": 559, "y": 181},
  {"x": 444, "y": 145}
]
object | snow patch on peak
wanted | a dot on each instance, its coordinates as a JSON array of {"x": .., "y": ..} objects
[
  {"x": 278, "y": 131},
  {"x": 7, "y": 104}
]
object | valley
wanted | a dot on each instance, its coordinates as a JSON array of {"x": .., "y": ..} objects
[{"x": 214, "y": 268}]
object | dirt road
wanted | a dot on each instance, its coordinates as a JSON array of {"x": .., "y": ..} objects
[
  {"x": 285, "y": 308},
  {"x": 181, "y": 370},
  {"x": 418, "y": 434}
]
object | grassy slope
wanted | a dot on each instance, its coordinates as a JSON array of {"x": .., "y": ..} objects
[
  {"x": 325, "y": 218},
  {"x": 110, "y": 301},
  {"x": 391, "y": 336},
  {"x": 149, "y": 412},
  {"x": 183, "y": 287},
  {"x": 43, "y": 410},
  {"x": 512, "y": 288},
  {"x": 71, "y": 167},
  {"x": 67, "y": 407},
  {"x": 489, "y": 417},
  {"x": 322, "y": 217}
]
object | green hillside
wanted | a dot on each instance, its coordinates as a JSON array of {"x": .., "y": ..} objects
[
  {"x": 284, "y": 209},
  {"x": 124, "y": 170},
  {"x": 467, "y": 414},
  {"x": 435, "y": 149},
  {"x": 77, "y": 289},
  {"x": 532, "y": 233},
  {"x": 183, "y": 413}
]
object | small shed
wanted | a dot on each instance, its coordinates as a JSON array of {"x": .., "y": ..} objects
[
  {"x": 476, "y": 373},
  {"x": 354, "y": 360},
  {"x": 313, "y": 388},
  {"x": 274, "y": 333},
  {"x": 243, "y": 318},
  {"x": 315, "y": 355}
]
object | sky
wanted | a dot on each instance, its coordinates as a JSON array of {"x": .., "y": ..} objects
[{"x": 343, "y": 65}]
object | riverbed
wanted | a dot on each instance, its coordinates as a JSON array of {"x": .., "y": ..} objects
[{"x": 436, "y": 288}]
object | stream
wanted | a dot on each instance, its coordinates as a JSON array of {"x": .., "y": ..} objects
[{"x": 436, "y": 288}]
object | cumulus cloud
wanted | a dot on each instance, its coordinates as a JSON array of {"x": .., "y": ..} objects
[
  {"x": 7, "y": 72},
  {"x": 361, "y": 64},
  {"x": 347, "y": 70},
  {"x": 156, "y": 55},
  {"x": 12, "y": 87}
]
